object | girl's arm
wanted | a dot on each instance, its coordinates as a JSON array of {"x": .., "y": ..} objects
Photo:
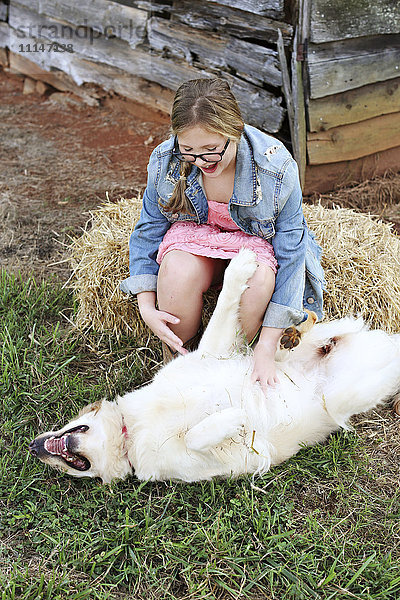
[{"x": 146, "y": 238}]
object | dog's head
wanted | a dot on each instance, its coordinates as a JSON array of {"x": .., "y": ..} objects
[{"x": 92, "y": 445}]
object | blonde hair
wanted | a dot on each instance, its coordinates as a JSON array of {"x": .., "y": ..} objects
[{"x": 210, "y": 104}]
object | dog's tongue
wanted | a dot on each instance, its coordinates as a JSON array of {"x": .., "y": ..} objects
[{"x": 55, "y": 445}]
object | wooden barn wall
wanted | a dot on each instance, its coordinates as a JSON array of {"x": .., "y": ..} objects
[
  {"x": 353, "y": 89},
  {"x": 145, "y": 50}
]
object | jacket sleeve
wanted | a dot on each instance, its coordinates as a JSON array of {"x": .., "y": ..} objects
[
  {"x": 145, "y": 239},
  {"x": 290, "y": 247}
]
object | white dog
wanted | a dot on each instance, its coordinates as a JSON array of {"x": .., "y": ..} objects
[{"x": 202, "y": 417}]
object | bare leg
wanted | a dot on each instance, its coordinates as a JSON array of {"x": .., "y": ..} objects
[
  {"x": 255, "y": 300},
  {"x": 182, "y": 280}
]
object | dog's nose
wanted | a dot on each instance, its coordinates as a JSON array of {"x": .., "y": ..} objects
[{"x": 33, "y": 448}]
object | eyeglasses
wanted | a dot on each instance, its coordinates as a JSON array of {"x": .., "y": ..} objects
[{"x": 209, "y": 157}]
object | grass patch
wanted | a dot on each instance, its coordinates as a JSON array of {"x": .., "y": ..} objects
[{"x": 319, "y": 526}]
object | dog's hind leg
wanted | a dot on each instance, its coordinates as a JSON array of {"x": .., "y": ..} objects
[
  {"x": 224, "y": 327},
  {"x": 215, "y": 429}
]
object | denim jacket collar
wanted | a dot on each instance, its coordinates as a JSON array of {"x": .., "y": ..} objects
[{"x": 246, "y": 184}]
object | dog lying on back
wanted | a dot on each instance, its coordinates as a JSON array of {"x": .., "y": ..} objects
[{"x": 201, "y": 416}]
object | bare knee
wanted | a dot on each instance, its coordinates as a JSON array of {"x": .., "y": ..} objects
[
  {"x": 262, "y": 283},
  {"x": 185, "y": 273},
  {"x": 256, "y": 298}
]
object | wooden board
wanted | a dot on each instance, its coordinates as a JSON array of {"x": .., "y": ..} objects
[
  {"x": 325, "y": 178},
  {"x": 260, "y": 107},
  {"x": 58, "y": 79},
  {"x": 107, "y": 77},
  {"x": 102, "y": 16},
  {"x": 3, "y": 11},
  {"x": 352, "y": 18},
  {"x": 275, "y": 9},
  {"x": 349, "y": 142},
  {"x": 354, "y": 106},
  {"x": 4, "y": 34},
  {"x": 340, "y": 66},
  {"x": 299, "y": 138},
  {"x": 250, "y": 61},
  {"x": 207, "y": 15},
  {"x": 4, "y": 57}
]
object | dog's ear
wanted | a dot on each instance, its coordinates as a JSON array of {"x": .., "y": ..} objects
[
  {"x": 329, "y": 346},
  {"x": 95, "y": 407}
]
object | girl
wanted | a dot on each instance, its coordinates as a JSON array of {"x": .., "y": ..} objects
[{"x": 217, "y": 185}]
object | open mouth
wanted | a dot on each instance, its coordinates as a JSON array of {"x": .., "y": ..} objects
[
  {"x": 210, "y": 169},
  {"x": 62, "y": 446}
]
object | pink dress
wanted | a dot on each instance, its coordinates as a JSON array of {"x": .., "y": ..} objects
[{"x": 220, "y": 237}]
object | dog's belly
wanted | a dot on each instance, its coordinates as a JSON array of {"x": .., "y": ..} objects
[
  {"x": 184, "y": 395},
  {"x": 179, "y": 398}
]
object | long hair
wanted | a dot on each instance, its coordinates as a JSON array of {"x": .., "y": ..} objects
[{"x": 210, "y": 104}]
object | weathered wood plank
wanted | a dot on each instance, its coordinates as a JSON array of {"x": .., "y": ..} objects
[
  {"x": 4, "y": 62},
  {"x": 349, "y": 142},
  {"x": 31, "y": 4},
  {"x": 275, "y": 9},
  {"x": 354, "y": 106},
  {"x": 340, "y": 66},
  {"x": 304, "y": 20},
  {"x": 286, "y": 85},
  {"x": 260, "y": 107},
  {"x": 57, "y": 79},
  {"x": 248, "y": 59},
  {"x": 324, "y": 178},
  {"x": 3, "y": 11},
  {"x": 207, "y": 15},
  {"x": 4, "y": 35},
  {"x": 151, "y": 6},
  {"x": 102, "y": 16},
  {"x": 112, "y": 51},
  {"x": 252, "y": 62},
  {"x": 299, "y": 138},
  {"x": 343, "y": 19},
  {"x": 109, "y": 78}
]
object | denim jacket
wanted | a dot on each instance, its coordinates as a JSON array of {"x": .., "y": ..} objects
[{"x": 266, "y": 201}]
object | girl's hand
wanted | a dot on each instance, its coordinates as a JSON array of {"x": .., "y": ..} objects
[
  {"x": 157, "y": 321},
  {"x": 264, "y": 367}
]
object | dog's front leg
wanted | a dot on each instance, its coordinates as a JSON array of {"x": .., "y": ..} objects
[
  {"x": 215, "y": 429},
  {"x": 224, "y": 326}
]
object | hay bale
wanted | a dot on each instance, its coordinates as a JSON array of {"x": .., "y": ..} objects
[
  {"x": 100, "y": 260},
  {"x": 361, "y": 261}
]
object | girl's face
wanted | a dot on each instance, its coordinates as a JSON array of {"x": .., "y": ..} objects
[{"x": 197, "y": 140}]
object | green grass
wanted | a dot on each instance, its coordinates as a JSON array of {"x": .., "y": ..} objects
[{"x": 319, "y": 526}]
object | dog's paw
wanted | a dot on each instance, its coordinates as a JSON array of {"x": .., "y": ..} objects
[
  {"x": 234, "y": 421},
  {"x": 215, "y": 429},
  {"x": 292, "y": 335},
  {"x": 290, "y": 338},
  {"x": 241, "y": 269}
]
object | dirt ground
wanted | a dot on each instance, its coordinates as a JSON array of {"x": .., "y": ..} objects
[{"x": 59, "y": 159}]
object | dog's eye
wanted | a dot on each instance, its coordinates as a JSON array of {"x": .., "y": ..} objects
[{"x": 78, "y": 429}]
